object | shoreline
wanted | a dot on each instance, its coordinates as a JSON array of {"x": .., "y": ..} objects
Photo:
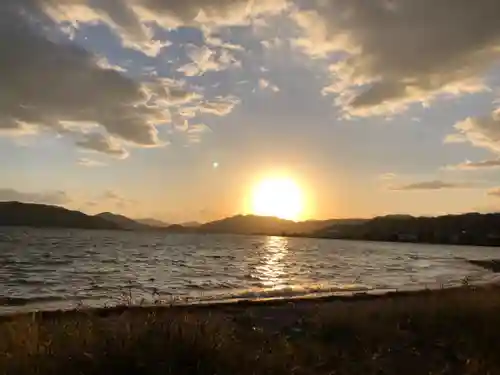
[
  {"x": 492, "y": 265},
  {"x": 258, "y": 303},
  {"x": 455, "y": 330},
  {"x": 56, "y": 307}
]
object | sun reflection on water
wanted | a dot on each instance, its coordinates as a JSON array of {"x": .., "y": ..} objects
[{"x": 271, "y": 270}]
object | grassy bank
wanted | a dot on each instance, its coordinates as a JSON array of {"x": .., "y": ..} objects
[{"x": 440, "y": 332}]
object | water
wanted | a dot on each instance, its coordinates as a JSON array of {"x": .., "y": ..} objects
[{"x": 46, "y": 269}]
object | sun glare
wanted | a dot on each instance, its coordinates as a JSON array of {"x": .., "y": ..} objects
[{"x": 279, "y": 197}]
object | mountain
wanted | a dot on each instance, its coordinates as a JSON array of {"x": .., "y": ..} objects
[
  {"x": 153, "y": 223},
  {"x": 190, "y": 224},
  {"x": 44, "y": 216},
  {"x": 248, "y": 224},
  {"x": 251, "y": 224},
  {"x": 465, "y": 229},
  {"x": 123, "y": 221}
]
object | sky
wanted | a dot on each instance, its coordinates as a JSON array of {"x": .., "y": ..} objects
[{"x": 175, "y": 109}]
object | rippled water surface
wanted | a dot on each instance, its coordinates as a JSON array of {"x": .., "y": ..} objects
[{"x": 67, "y": 268}]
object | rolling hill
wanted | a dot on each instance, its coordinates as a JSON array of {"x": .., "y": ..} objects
[
  {"x": 123, "y": 221},
  {"x": 251, "y": 224},
  {"x": 45, "y": 216}
]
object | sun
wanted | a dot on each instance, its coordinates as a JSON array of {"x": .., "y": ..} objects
[{"x": 279, "y": 197}]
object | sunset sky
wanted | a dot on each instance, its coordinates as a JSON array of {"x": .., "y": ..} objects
[{"x": 176, "y": 109}]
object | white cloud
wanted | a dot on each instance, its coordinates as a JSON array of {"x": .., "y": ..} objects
[
  {"x": 52, "y": 85},
  {"x": 49, "y": 85},
  {"x": 387, "y": 176},
  {"x": 131, "y": 20},
  {"x": 471, "y": 165},
  {"x": 390, "y": 55},
  {"x": 265, "y": 84},
  {"x": 273, "y": 43},
  {"x": 218, "y": 42},
  {"x": 98, "y": 142},
  {"x": 204, "y": 59},
  {"x": 90, "y": 163},
  {"x": 103, "y": 63},
  {"x": 195, "y": 132},
  {"x": 220, "y": 106},
  {"x": 481, "y": 131},
  {"x": 455, "y": 138}
]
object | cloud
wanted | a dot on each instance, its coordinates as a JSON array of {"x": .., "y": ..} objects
[
  {"x": 265, "y": 84},
  {"x": 85, "y": 162},
  {"x": 220, "y": 106},
  {"x": 196, "y": 131},
  {"x": 46, "y": 83},
  {"x": 387, "y": 176},
  {"x": 131, "y": 20},
  {"x": 494, "y": 192},
  {"x": 50, "y": 84},
  {"x": 218, "y": 42},
  {"x": 53, "y": 197},
  {"x": 204, "y": 59},
  {"x": 431, "y": 185},
  {"x": 100, "y": 143},
  {"x": 470, "y": 165},
  {"x": 481, "y": 132},
  {"x": 391, "y": 54},
  {"x": 273, "y": 43},
  {"x": 455, "y": 138}
]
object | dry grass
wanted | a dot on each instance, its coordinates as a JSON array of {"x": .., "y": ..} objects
[{"x": 441, "y": 332}]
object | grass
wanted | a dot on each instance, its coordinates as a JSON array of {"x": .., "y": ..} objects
[{"x": 454, "y": 331}]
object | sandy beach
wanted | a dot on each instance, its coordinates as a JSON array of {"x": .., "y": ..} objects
[{"x": 450, "y": 331}]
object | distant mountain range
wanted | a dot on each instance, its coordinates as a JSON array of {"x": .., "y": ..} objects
[
  {"x": 123, "y": 221},
  {"x": 470, "y": 229},
  {"x": 44, "y": 216},
  {"x": 153, "y": 223},
  {"x": 465, "y": 229},
  {"x": 250, "y": 224},
  {"x": 16, "y": 213},
  {"x": 161, "y": 224}
]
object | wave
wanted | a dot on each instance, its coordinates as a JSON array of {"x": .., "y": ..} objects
[{"x": 290, "y": 292}]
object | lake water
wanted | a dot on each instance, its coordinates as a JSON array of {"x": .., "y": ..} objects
[{"x": 48, "y": 269}]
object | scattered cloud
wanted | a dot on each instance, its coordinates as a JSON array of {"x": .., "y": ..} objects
[
  {"x": 471, "y": 165},
  {"x": 132, "y": 21},
  {"x": 220, "y": 106},
  {"x": 455, "y": 138},
  {"x": 52, "y": 85},
  {"x": 273, "y": 43},
  {"x": 52, "y": 197},
  {"x": 391, "y": 54},
  {"x": 387, "y": 176},
  {"x": 98, "y": 142},
  {"x": 432, "y": 185},
  {"x": 196, "y": 131},
  {"x": 494, "y": 192},
  {"x": 48, "y": 84},
  {"x": 218, "y": 42},
  {"x": 481, "y": 132},
  {"x": 90, "y": 163},
  {"x": 265, "y": 84},
  {"x": 204, "y": 59},
  {"x": 103, "y": 63}
]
